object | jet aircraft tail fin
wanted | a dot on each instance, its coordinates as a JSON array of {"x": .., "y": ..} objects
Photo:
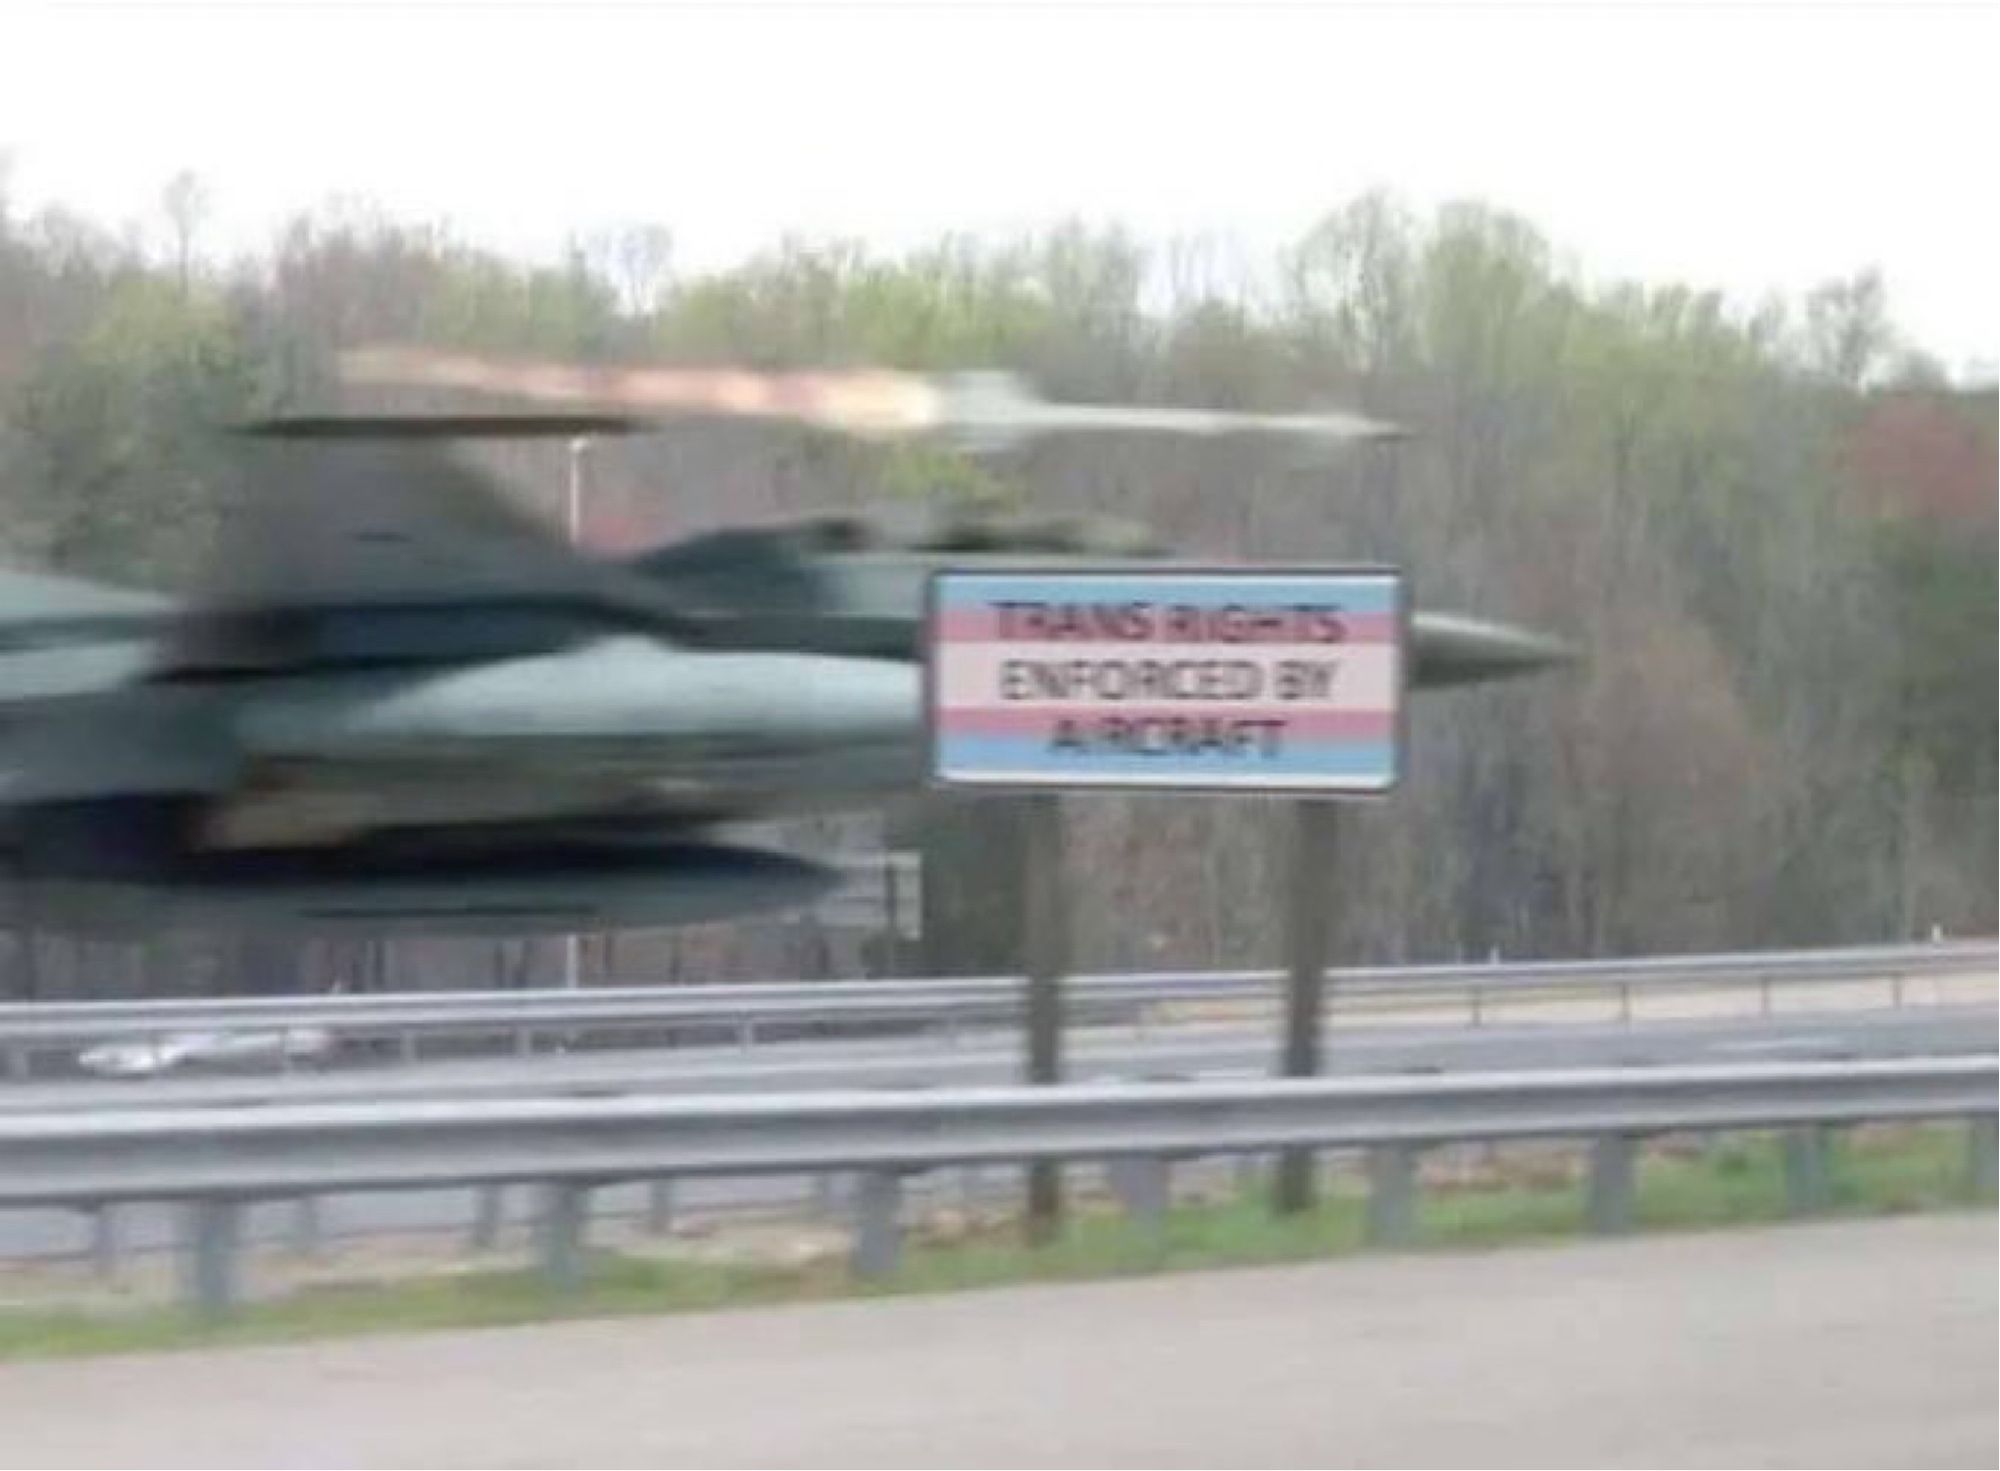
[{"x": 366, "y": 542}]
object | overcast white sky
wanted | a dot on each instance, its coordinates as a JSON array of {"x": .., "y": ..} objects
[{"x": 1751, "y": 149}]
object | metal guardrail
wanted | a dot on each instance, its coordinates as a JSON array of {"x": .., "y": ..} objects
[
  {"x": 285, "y": 1150},
  {"x": 1929, "y": 1031},
  {"x": 218, "y": 1160},
  {"x": 25, "y": 1027}
]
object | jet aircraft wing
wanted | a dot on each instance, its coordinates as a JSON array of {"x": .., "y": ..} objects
[{"x": 62, "y": 636}]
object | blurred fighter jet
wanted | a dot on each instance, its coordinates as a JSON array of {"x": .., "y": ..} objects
[{"x": 400, "y": 703}]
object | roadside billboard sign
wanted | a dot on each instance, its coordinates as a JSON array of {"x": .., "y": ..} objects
[{"x": 1220, "y": 679}]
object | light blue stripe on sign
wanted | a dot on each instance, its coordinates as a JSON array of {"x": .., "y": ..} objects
[
  {"x": 969, "y": 754},
  {"x": 1367, "y": 592}
]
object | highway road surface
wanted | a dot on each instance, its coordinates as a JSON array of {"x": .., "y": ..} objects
[
  {"x": 1850, "y": 1344},
  {"x": 1211, "y": 1050}
]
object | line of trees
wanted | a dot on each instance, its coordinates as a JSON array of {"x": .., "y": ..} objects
[{"x": 1770, "y": 528}]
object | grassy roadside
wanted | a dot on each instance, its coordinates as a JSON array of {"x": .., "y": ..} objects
[{"x": 1734, "y": 1183}]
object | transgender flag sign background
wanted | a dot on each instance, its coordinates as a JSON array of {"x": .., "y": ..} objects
[{"x": 1274, "y": 679}]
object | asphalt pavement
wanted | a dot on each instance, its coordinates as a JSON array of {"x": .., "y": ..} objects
[{"x": 1833, "y": 1344}]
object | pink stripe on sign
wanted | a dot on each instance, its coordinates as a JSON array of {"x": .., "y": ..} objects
[
  {"x": 1302, "y": 722},
  {"x": 982, "y": 625}
]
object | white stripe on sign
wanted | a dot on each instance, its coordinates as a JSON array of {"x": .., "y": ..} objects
[{"x": 1208, "y": 678}]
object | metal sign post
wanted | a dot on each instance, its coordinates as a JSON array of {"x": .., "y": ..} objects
[
  {"x": 1046, "y": 925},
  {"x": 573, "y": 526},
  {"x": 1245, "y": 680},
  {"x": 1309, "y": 857}
]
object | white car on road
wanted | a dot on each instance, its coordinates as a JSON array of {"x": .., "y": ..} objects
[{"x": 151, "y": 1056}]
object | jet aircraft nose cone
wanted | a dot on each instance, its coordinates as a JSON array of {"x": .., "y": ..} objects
[{"x": 1450, "y": 649}]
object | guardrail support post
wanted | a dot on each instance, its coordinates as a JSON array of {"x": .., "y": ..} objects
[
  {"x": 1144, "y": 1183},
  {"x": 214, "y": 1229},
  {"x": 1611, "y": 1171},
  {"x": 406, "y": 1045},
  {"x": 1046, "y": 933},
  {"x": 971, "y": 1188},
  {"x": 1245, "y": 1171},
  {"x": 1117, "y": 1181},
  {"x": 1806, "y": 1185},
  {"x": 308, "y": 1233},
  {"x": 1392, "y": 1194},
  {"x": 487, "y": 1204},
  {"x": 878, "y": 1222},
  {"x": 104, "y": 1240},
  {"x": 1982, "y": 1144},
  {"x": 565, "y": 1210},
  {"x": 1309, "y": 907},
  {"x": 1152, "y": 1190},
  {"x": 659, "y": 1207}
]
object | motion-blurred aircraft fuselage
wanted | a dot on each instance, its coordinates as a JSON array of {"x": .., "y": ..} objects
[{"x": 403, "y": 705}]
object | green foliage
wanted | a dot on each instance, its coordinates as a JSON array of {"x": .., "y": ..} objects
[
  {"x": 1352, "y": 282},
  {"x": 953, "y": 305},
  {"x": 1944, "y": 605},
  {"x": 482, "y": 301},
  {"x": 929, "y": 473},
  {"x": 113, "y": 462},
  {"x": 1847, "y": 328}
]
